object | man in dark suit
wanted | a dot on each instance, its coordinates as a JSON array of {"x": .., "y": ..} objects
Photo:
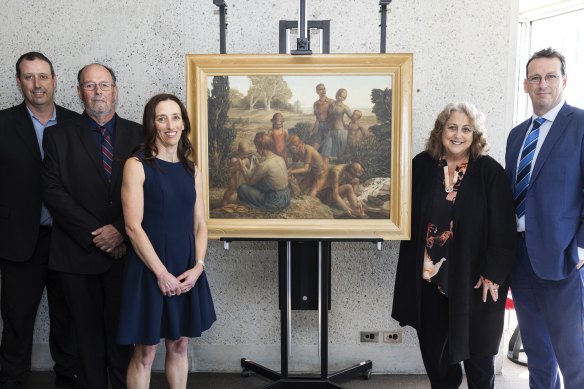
[
  {"x": 545, "y": 164},
  {"x": 25, "y": 230},
  {"x": 82, "y": 177}
]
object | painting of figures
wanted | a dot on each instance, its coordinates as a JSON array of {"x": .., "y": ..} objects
[{"x": 293, "y": 146}]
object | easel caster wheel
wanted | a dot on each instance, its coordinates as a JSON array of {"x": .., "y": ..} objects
[
  {"x": 245, "y": 373},
  {"x": 366, "y": 374}
]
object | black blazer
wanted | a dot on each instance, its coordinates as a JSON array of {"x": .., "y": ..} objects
[
  {"x": 78, "y": 195},
  {"x": 20, "y": 179}
]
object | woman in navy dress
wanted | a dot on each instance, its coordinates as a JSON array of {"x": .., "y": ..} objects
[{"x": 165, "y": 290}]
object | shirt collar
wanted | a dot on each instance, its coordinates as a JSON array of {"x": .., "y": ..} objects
[
  {"x": 110, "y": 126},
  {"x": 34, "y": 117},
  {"x": 552, "y": 113}
]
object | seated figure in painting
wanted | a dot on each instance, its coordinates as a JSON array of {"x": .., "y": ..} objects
[
  {"x": 342, "y": 189},
  {"x": 246, "y": 159},
  {"x": 267, "y": 186},
  {"x": 311, "y": 177}
]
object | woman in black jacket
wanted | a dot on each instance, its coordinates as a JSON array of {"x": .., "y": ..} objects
[{"x": 451, "y": 282}]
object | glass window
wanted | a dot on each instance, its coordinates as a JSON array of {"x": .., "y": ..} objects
[{"x": 563, "y": 30}]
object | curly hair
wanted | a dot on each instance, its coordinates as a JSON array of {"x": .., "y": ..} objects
[{"x": 479, "y": 144}]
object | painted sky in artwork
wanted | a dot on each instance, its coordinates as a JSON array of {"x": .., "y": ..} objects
[{"x": 303, "y": 87}]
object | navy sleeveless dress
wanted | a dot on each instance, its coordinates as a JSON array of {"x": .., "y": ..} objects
[{"x": 146, "y": 315}]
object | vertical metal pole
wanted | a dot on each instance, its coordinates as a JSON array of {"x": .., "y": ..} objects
[
  {"x": 222, "y": 29},
  {"x": 383, "y": 26},
  {"x": 302, "y": 20},
  {"x": 289, "y": 294},
  {"x": 323, "y": 269},
  {"x": 303, "y": 41},
  {"x": 319, "y": 296}
]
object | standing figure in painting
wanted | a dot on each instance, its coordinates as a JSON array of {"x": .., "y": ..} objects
[
  {"x": 321, "y": 107},
  {"x": 452, "y": 276},
  {"x": 267, "y": 186},
  {"x": 165, "y": 289},
  {"x": 312, "y": 175},
  {"x": 246, "y": 159},
  {"x": 335, "y": 142},
  {"x": 343, "y": 183},
  {"x": 353, "y": 130},
  {"x": 279, "y": 136}
]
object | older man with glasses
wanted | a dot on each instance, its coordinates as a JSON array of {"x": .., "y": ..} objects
[{"x": 82, "y": 178}]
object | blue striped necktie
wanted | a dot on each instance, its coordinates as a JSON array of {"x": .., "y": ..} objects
[
  {"x": 107, "y": 151},
  {"x": 524, "y": 168}
]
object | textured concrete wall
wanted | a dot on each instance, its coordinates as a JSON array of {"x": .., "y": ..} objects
[{"x": 463, "y": 50}]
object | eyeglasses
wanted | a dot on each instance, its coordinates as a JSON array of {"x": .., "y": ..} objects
[
  {"x": 90, "y": 86},
  {"x": 549, "y": 79}
]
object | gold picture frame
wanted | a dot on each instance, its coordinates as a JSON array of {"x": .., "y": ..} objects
[{"x": 226, "y": 117}]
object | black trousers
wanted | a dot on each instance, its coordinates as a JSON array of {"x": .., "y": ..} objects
[
  {"x": 22, "y": 289},
  {"x": 434, "y": 345},
  {"x": 95, "y": 304}
]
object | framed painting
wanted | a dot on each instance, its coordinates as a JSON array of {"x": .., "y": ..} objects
[{"x": 303, "y": 147}]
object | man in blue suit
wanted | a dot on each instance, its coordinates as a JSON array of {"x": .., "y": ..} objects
[{"x": 545, "y": 164}]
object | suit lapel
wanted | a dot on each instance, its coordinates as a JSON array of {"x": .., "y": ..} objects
[
  {"x": 88, "y": 142},
  {"x": 559, "y": 126},
  {"x": 121, "y": 147},
  {"x": 25, "y": 130}
]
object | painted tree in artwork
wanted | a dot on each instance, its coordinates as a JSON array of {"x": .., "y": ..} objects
[
  {"x": 253, "y": 95},
  {"x": 271, "y": 88},
  {"x": 220, "y": 135},
  {"x": 374, "y": 153}
]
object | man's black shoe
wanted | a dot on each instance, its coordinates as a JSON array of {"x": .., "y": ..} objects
[{"x": 68, "y": 382}]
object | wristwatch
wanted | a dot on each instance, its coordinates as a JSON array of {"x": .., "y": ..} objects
[{"x": 202, "y": 262}]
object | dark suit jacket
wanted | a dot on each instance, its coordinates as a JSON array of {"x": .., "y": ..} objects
[
  {"x": 20, "y": 179},
  {"x": 78, "y": 195},
  {"x": 484, "y": 244},
  {"x": 554, "y": 212}
]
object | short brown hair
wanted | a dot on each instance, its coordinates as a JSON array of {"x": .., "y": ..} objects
[
  {"x": 547, "y": 53},
  {"x": 31, "y": 56}
]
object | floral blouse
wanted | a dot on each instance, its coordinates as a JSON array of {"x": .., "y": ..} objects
[{"x": 439, "y": 232}]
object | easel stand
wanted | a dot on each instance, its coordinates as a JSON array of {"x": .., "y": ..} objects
[{"x": 287, "y": 251}]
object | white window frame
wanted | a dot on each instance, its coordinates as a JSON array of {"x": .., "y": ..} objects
[{"x": 532, "y": 11}]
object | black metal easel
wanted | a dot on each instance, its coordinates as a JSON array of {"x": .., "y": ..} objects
[
  {"x": 383, "y": 24},
  {"x": 222, "y": 25},
  {"x": 297, "y": 258}
]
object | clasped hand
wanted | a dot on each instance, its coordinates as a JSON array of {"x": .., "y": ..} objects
[
  {"x": 108, "y": 239},
  {"x": 489, "y": 287},
  {"x": 170, "y": 285}
]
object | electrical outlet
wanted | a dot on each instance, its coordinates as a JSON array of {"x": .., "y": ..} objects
[
  {"x": 370, "y": 336},
  {"x": 392, "y": 336}
]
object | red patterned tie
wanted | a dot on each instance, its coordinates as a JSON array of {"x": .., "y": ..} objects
[{"x": 107, "y": 151}]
